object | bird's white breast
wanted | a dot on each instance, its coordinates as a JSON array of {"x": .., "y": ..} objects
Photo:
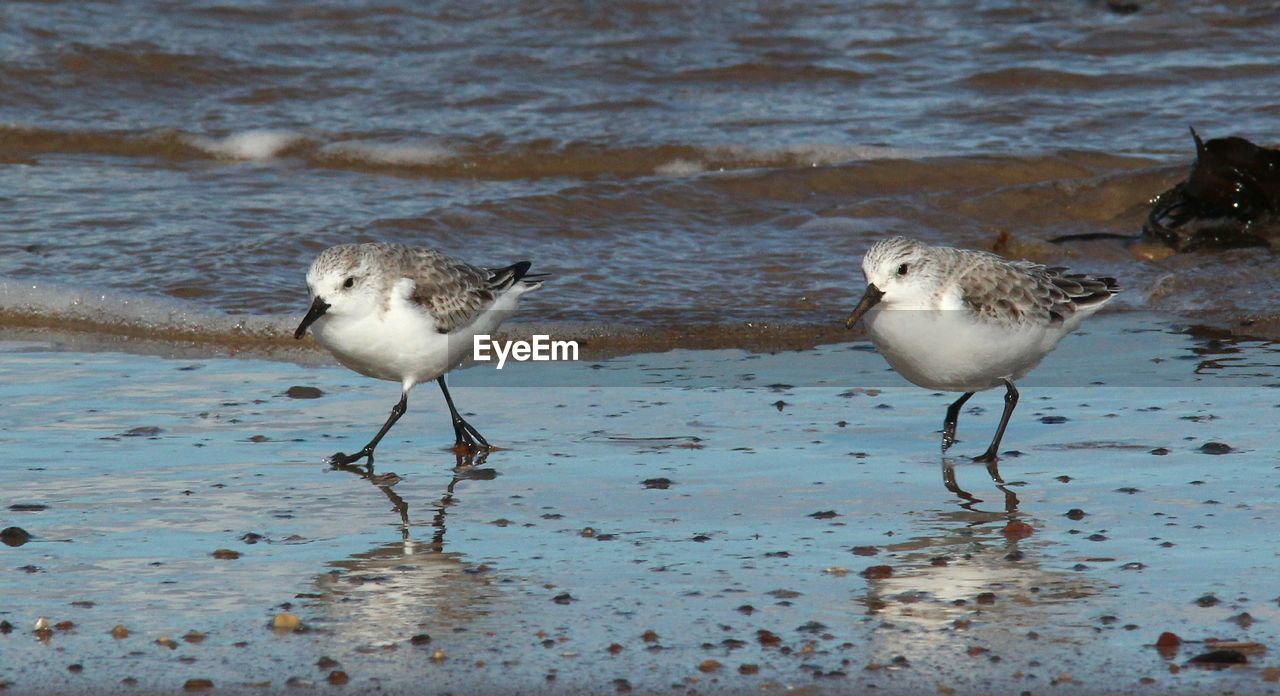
[
  {"x": 953, "y": 350},
  {"x": 401, "y": 342}
]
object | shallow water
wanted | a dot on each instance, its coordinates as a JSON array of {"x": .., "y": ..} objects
[
  {"x": 671, "y": 164},
  {"x": 776, "y": 467}
]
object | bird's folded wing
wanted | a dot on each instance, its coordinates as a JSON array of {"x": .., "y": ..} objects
[
  {"x": 454, "y": 292},
  {"x": 1010, "y": 295}
]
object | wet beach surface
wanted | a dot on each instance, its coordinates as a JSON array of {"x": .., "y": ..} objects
[{"x": 709, "y": 521}]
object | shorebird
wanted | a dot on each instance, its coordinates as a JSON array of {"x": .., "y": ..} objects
[
  {"x": 407, "y": 315},
  {"x": 966, "y": 321}
]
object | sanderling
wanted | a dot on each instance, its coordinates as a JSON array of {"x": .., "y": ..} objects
[
  {"x": 965, "y": 321},
  {"x": 407, "y": 315}
]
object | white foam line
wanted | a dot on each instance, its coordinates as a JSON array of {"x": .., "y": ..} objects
[
  {"x": 401, "y": 154},
  {"x": 255, "y": 145}
]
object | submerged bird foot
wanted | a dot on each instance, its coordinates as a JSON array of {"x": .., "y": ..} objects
[
  {"x": 468, "y": 439},
  {"x": 989, "y": 458},
  {"x": 344, "y": 459}
]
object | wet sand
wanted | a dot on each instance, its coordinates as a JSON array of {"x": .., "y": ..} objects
[{"x": 696, "y": 520}]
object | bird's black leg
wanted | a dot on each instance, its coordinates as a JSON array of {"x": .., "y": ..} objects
[
  {"x": 949, "y": 425},
  {"x": 396, "y": 411},
  {"x": 465, "y": 436},
  {"x": 1010, "y": 401}
]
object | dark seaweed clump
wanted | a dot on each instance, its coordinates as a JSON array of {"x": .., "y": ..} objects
[{"x": 1230, "y": 199}]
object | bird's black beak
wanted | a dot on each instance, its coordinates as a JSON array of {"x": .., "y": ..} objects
[
  {"x": 318, "y": 308},
  {"x": 869, "y": 299}
]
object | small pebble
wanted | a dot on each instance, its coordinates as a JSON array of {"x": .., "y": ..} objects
[
  {"x": 14, "y": 536},
  {"x": 285, "y": 621}
]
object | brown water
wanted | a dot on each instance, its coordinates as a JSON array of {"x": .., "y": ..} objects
[{"x": 673, "y": 164}]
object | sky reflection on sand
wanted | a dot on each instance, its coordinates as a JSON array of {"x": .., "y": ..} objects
[{"x": 503, "y": 563}]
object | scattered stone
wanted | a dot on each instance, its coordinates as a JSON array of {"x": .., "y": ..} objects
[
  {"x": 337, "y": 677},
  {"x": 986, "y": 598},
  {"x": 1215, "y": 448},
  {"x": 225, "y": 554},
  {"x": 564, "y": 598},
  {"x": 865, "y": 550},
  {"x": 783, "y": 594},
  {"x": 660, "y": 484},
  {"x": 6, "y": 628},
  {"x": 286, "y": 622},
  {"x": 746, "y": 609},
  {"x": 437, "y": 656},
  {"x": 119, "y": 632},
  {"x": 1247, "y": 647},
  {"x": 1159, "y": 451},
  {"x": 877, "y": 572},
  {"x": 1075, "y": 514},
  {"x": 197, "y": 685},
  {"x": 823, "y": 514},
  {"x": 143, "y": 431},
  {"x": 1271, "y": 674},
  {"x": 251, "y": 538},
  {"x": 167, "y": 642},
  {"x": 14, "y": 536},
  {"x": 748, "y": 669},
  {"x": 1053, "y": 420},
  {"x": 75, "y": 668},
  {"x": 708, "y": 666},
  {"x": 420, "y": 639},
  {"x": 649, "y": 637},
  {"x": 1243, "y": 620},
  {"x": 297, "y": 392},
  {"x": 28, "y": 507},
  {"x": 1219, "y": 659},
  {"x": 1017, "y": 530},
  {"x": 768, "y": 638},
  {"x": 326, "y": 662},
  {"x": 614, "y": 648},
  {"x": 1208, "y": 601},
  {"x": 42, "y": 625},
  {"x": 194, "y": 637}
]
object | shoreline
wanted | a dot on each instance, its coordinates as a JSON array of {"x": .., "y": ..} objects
[{"x": 595, "y": 341}]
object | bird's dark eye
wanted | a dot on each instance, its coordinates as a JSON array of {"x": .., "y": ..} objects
[
  {"x": 349, "y": 282},
  {"x": 902, "y": 270}
]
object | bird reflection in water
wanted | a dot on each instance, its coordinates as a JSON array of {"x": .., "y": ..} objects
[
  {"x": 398, "y": 588},
  {"x": 970, "y": 500},
  {"x": 468, "y": 466}
]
